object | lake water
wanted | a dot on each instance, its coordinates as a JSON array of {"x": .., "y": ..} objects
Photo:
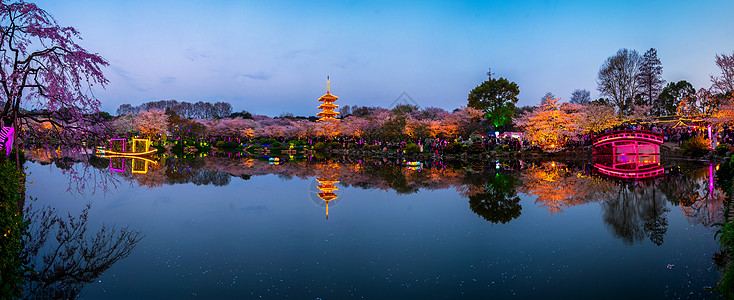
[{"x": 236, "y": 227}]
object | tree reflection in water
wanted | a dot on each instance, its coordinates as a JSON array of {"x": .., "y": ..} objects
[
  {"x": 61, "y": 255},
  {"x": 557, "y": 185},
  {"x": 632, "y": 210},
  {"x": 492, "y": 196},
  {"x": 636, "y": 212}
]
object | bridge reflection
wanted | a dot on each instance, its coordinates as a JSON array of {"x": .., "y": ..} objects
[{"x": 138, "y": 165}]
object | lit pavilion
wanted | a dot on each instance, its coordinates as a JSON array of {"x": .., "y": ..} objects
[{"x": 327, "y": 109}]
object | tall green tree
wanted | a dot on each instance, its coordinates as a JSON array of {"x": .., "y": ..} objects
[
  {"x": 497, "y": 99},
  {"x": 651, "y": 80},
  {"x": 673, "y": 94}
]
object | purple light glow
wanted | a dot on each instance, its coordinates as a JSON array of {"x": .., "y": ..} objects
[
  {"x": 711, "y": 177},
  {"x": 9, "y": 144},
  {"x": 112, "y": 168}
]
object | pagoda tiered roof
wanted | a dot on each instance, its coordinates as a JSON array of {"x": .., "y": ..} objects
[
  {"x": 328, "y": 97},
  {"x": 328, "y": 106},
  {"x": 327, "y": 109}
]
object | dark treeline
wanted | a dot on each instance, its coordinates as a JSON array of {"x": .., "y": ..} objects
[{"x": 198, "y": 110}]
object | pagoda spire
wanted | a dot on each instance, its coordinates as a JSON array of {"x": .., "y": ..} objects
[{"x": 327, "y": 108}]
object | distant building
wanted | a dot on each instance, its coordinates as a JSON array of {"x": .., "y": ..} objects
[{"x": 327, "y": 108}]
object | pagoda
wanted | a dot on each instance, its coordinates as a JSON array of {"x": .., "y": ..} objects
[{"x": 327, "y": 109}]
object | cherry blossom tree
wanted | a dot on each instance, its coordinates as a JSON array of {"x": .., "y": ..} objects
[
  {"x": 459, "y": 122},
  {"x": 702, "y": 103},
  {"x": 305, "y": 129},
  {"x": 419, "y": 129},
  {"x": 549, "y": 126},
  {"x": 152, "y": 123},
  {"x": 124, "y": 125},
  {"x": 182, "y": 128},
  {"x": 353, "y": 126},
  {"x": 45, "y": 76},
  {"x": 596, "y": 117},
  {"x": 724, "y": 114}
]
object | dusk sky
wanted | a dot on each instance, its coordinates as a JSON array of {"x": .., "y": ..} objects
[{"x": 271, "y": 57}]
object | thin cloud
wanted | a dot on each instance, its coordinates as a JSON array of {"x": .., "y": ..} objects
[
  {"x": 194, "y": 55},
  {"x": 254, "y": 76},
  {"x": 168, "y": 80},
  {"x": 129, "y": 78}
]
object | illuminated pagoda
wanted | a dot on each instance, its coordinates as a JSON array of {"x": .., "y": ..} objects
[
  {"x": 327, "y": 109},
  {"x": 327, "y": 189}
]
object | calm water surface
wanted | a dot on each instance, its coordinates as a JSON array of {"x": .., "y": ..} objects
[{"x": 219, "y": 227}]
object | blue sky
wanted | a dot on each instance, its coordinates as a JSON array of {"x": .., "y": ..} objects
[{"x": 271, "y": 57}]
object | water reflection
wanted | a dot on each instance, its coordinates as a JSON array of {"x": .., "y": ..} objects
[
  {"x": 559, "y": 185},
  {"x": 138, "y": 165},
  {"x": 61, "y": 255},
  {"x": 327, "y": 192},
  {"x": 637, "y": 211},
  {"x": 493, "y": 197},
  {"x": 61, "y": 252},
  {"x": 633, "y": 210},
  {"x": 692, "y": 189}
]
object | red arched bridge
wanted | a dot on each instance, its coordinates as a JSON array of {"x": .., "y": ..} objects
[
  {"x": 628, "y": 154},
  {"x": 645, "y": 136}
]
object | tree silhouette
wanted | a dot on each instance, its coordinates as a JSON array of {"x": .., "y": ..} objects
[
  {"x": 617, "y": 78},
  {"x": 725, "y": 82},
  {"x": 651, "y": 80},
  {"x": 581, "y": 96}
]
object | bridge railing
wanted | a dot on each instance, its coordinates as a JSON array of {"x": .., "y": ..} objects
[{"x": 645, "y": 135}]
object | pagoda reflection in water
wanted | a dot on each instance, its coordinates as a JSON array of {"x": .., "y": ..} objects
[{"x": 328, "y": 189}]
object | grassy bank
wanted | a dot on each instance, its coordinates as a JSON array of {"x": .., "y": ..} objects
[{"x": 12, "y": 228}]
